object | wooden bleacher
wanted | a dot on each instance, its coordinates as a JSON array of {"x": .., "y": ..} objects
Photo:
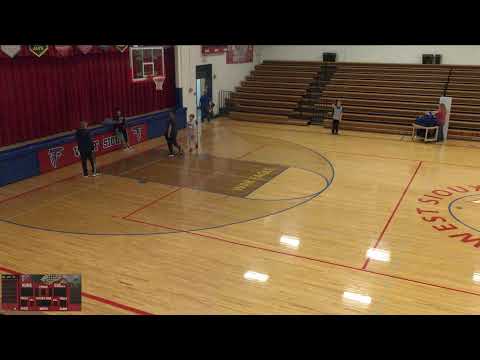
[
  {"x": 273, "y": 94},
  {"x": 376, "y": 97},
  {"x": 388, "y": 97}
]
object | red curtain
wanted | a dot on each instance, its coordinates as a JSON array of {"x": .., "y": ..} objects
[{"x": 49, "y": 95}]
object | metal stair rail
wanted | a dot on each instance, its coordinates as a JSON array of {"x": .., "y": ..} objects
[
  {"x": 225, "y": 99},
  {"x": 313, "y": 97}
]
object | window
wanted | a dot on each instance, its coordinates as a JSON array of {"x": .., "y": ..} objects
[{"x": 146, "y": 62}]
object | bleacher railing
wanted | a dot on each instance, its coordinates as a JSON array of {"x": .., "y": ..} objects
[
  {"x": 445, "y": 89},
  {"x": 321, "y": 110},
  {"x": 225, "y": 98},
  {"x": 320, "y": 106}
]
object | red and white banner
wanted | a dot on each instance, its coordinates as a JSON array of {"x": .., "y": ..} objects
[
  {"x": 38, "y": 50},
  {"x": 57, "y": 157},
  {"x": 11, "y": 50},
  {"x": 213, "y": 49},
  {"x": 85, "y": 49},
  {"x": 64, "y": 50},
  {"x": 239, "y": 54},
  {"x": 121, "y": 48}
]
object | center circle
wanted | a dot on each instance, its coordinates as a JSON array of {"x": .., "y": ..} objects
[{"x": 465, "y": 210}]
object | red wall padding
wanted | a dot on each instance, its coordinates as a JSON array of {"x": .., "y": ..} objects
[{"x": 49, "y": 95}]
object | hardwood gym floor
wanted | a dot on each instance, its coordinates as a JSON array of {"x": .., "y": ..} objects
[{"x": 358, "y": 223}]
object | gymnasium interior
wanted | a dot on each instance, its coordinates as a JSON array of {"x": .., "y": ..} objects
[{"x": 264, "y": 211}]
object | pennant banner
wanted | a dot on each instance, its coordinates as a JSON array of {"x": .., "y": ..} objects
[
  {"x": 121, "y": 48},
  {"x": 239, "y": 54},
  {"x": 11, "y": 50},
  {"x": 64, "y": 50},
  {"x": 213, "y": 49},
  {"x": 38, "y": 50},
  {"x": 85, "y": 49},
  {"x": 105, "y": 47}
]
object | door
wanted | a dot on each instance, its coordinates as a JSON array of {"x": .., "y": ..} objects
[{"x": 204, "y": 72}]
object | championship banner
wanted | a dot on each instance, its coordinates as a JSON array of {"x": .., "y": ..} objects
[
  {"x": 447, "y": 101},
  {"x": 38, "y": 50},
  {"x": 85, "y": 49},
  {"x": 105, "y": 47},
  {"x": 59, "y": 156},
  {"x": 64, "y": 50},
  {"x": 121, "y": 48},
  {"x": 239, "y": 54},
  {"x": 213, "y": 49},
  {"x": 11, "y": 50}
]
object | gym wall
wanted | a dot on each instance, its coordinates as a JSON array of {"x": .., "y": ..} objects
[
  {"x": 410, "y": 54},
  {"x": 226, "y": 76}
]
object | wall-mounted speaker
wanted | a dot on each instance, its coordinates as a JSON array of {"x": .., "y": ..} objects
[
  {"x": 427, "y": 59},
  {"x": 330, "y": 57}
]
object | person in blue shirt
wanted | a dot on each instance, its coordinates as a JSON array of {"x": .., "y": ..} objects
[{"x": 205, "y": 102}]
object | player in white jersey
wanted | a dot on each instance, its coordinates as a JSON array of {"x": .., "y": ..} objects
[{"x": 192, "y": 133}]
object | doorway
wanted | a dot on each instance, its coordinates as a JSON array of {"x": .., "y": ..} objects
[{"x": 203, "y": 82}]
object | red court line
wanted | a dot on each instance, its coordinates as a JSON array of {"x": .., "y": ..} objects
[
  {"x": 36, "y": 189},
  {"x": 421, "y": 282},
  {"x": 310, "y": 258},
  {"x": 151, "y": 203},
  {"x": 250, "y": 152},
  {"x": 378, "y": 156},
  {"x": 368, "y": 155},
  {"x": 392, "y": 138},
  {"x": 395, "y": 158},
  {"x": 73, "y": 176},
  {"x": 239, "y": 243},
  {"x": 115, "y": 304},
  {"x": 94, "y": 297},
  {"x": 9, "y": 271},
  {"x": 394, "y": 212}
]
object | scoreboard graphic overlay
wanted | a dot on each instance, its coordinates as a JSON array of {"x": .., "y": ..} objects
[{"x": 41, "y": 292}]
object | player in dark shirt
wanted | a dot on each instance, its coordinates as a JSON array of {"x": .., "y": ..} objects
[
  {"x": 86, "y": 149},
  {"x": 171, "y": 135},
  {"x": 120, "y": 128}
]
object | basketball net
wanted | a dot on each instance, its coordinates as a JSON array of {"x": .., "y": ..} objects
[{"x": 158, "y": 80}]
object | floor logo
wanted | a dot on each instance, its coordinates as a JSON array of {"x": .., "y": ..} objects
[{"x": 435, "y": 208}]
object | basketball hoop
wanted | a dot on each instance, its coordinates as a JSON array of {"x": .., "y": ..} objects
[{"x": 158, "y": 80}]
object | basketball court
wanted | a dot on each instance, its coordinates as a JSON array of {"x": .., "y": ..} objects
[{"x": 263, "y": 219}]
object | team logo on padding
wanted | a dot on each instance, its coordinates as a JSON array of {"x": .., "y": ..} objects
[
  {"x": 138, "y": 133},
  {"x": 54, "y": 154}
]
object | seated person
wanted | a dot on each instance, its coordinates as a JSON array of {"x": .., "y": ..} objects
[{"x": 440, "y": 115}]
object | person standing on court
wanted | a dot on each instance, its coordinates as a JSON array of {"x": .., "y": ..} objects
[
  {"x": 337, "y": 116},
  {"x": 192, "y": 134},
  {"x": 205, "y": 102},
  {"x": 211, "y": 107},
  {"x": 120, "y": 128},
  {"x": 171, "y": 135},
  {"x": 86, "y": 149}
]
